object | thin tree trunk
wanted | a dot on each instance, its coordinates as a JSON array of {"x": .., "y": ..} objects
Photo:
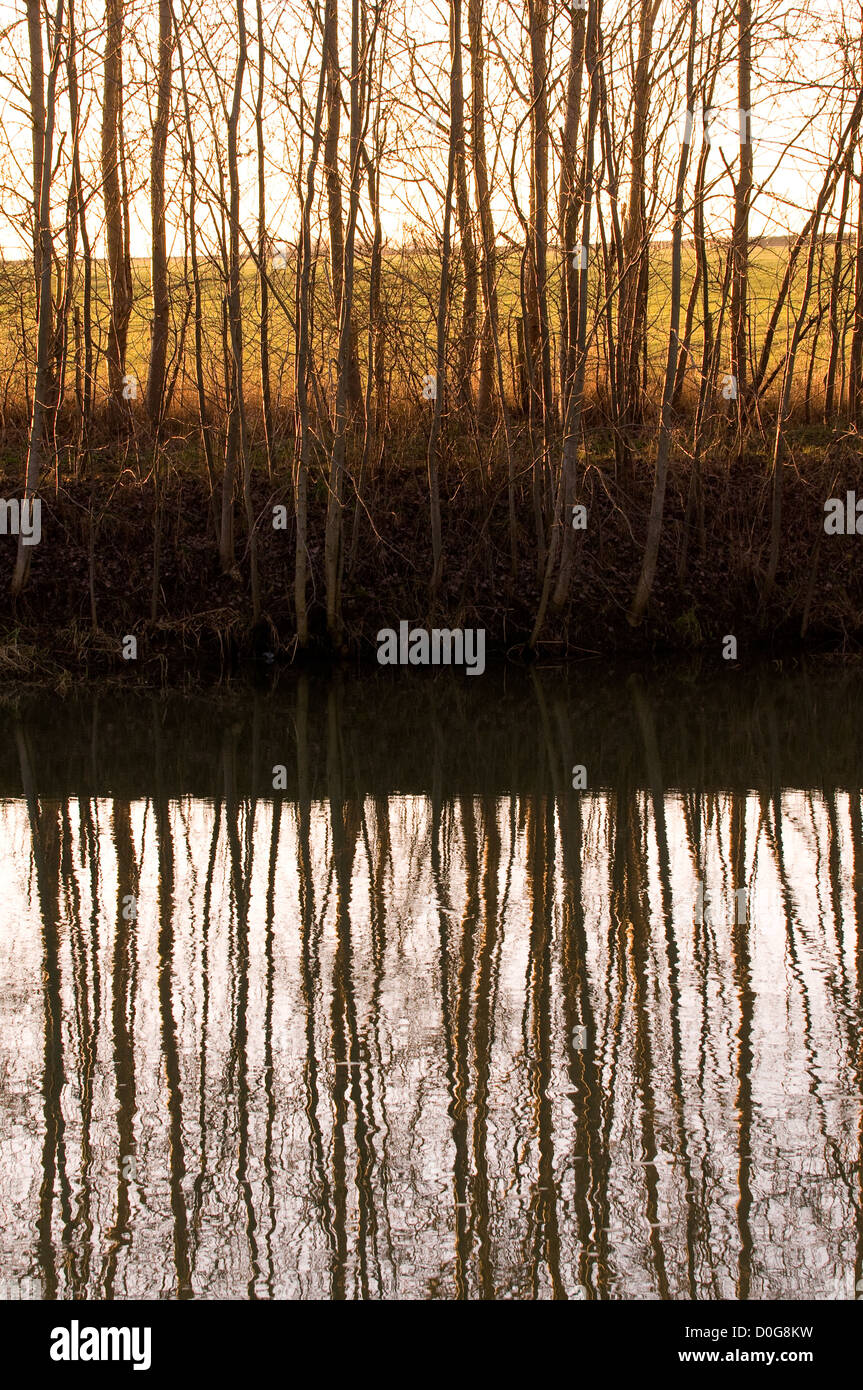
[
  {"x": 443, "y": 295},
  {"x": 742, "y": 198},
  {"x": 44, "y": 385},
  {"x": 86, "y": 393},
  {"x": 334, "y": 187},
  {"x": 570, "y": 197},
  {"x": 538, "y": 326},
  {"x": 632, "y": 311},
  {"x": 488, "y": 267},
  {"x": 575, "y": 389},
  {"x": 855, "y": 366},
  {"x": 835, "y": 289},
  {"x": 37, "y": 118},
  {"x": 116, "y": 208},
  {"x": 467, "y": 341},
  {"x": 560, "y": 543},
  {"x": 159, "y": 254},
  {"x": 489, "y": 264},
  {"x": 334, "y": 542},
  {"x": 263, "y": 283},
  {"x": 234, "y": 442},
  {"x": 654, "y": 527},
  {"x": 206, "y": 436},
  {"x": 304, "y": 369}
]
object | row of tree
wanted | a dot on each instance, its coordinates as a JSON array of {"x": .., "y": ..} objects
[{"x": 524, "y": 212}]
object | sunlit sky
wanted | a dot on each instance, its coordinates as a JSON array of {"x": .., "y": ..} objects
[{"x": 794, "y": 111}]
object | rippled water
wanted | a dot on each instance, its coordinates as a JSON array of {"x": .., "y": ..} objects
[{"x": 424, "y": 1020}]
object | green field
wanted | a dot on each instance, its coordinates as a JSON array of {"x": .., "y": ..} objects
[{"x": 409, "y": 299}]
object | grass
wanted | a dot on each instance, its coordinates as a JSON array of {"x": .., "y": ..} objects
[{"x": 409, "y": 297}]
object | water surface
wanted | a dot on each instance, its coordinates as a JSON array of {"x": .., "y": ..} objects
[{"x": 422, "y": 1019}]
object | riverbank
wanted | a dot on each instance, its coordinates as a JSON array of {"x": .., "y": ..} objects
[{"x": 92, "y": 576}]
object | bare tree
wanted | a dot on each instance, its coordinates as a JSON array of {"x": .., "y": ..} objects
[
  {"x": 116, "y": 205},
  {"x": 632, "y": 310},
  {"x": 742, "y": 198},
  {"x": 44, "y": 385},
  {"x": 660, "y": 477},
  {"x": 467, "y": 338},
  {"x": 304, "y": 364},
  {"x": 159, "y": 255},
  {"x": 263, "y": 246}
]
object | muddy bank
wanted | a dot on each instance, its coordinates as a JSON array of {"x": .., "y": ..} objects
[{"x": 92, "y": 576}]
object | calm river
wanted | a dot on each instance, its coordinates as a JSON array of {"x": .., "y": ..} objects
[{"x": 528, "y": 986}]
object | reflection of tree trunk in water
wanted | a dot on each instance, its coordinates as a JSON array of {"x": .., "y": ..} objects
[
  {"x": 857, "y": 1027},
  {"x": 613, "y": 993},
  {"x": 834, "y": 874},
  {"x": 836, "y": 983},
  {"x": 269, "y": 1087},
  {"x": 458, "y": 1077},
  {"x": 345, "y": 824},
  {"x": 198, "y": 1187},
  {"x": 378, "y": 866},
  {"x": 122, "y": 1019},
  {"x": 44, "y": 839},
  {"x": 378, "y": 860},
  {"x": 742, "y": 973},
  {"x": 646, "y": 724},
  {"x": 775, "y": 840},
  {"x": 449, "y": 1007},
  {"x": 540, "y": 879},
  {"x": 309, "y": 964},
  {"x": 487, "y": 975},
  {"x": 591, "y": 1161},
  {"x": 343, "y": 1055},
  {"x": 84, "y": 960},
  {"x": 703, "y": 951},
  {"x": 633, "y": 897},
  {"x": 238, "y": 1066},
  {"x": 165, "y": 850}
]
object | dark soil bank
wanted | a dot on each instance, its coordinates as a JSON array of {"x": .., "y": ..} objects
[{"x": 92, "y": 574}]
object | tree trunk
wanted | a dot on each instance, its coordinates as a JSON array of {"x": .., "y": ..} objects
[
  {"x": 334, "y": 188},
  {"x": 836, "y": 333},
  {"x": 334, "y": 544},
  {"x": 467, "y": 342},
  {"x": 538, "y": 340},
  {"x": 855, "y": 366},
  {"x": 235, "y": 443},
  {"x": 570, "y": 198},
  {"x": 116, "y": 207},
  {"x": 440, "y": 356},
  {"x": 37, "y": 118},
  {"x": 44, "y": 385},
  {"x": 263, "y": 283},
  {"x": 561, "y": 541},
  {"x": 159, "y": 254},
  {"x": 742, "y": 197},
  {"x": 488, "y": 266},
  {"x": 203, "y": 414},
  {"x": 304, "y": 369},
  {"x": 491, "y": 328},
  {"x": 632, "y": 310},
  {"x": 654, "y": 525}
]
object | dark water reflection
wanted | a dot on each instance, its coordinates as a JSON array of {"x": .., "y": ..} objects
[{"x": 425, "y": 1020}]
